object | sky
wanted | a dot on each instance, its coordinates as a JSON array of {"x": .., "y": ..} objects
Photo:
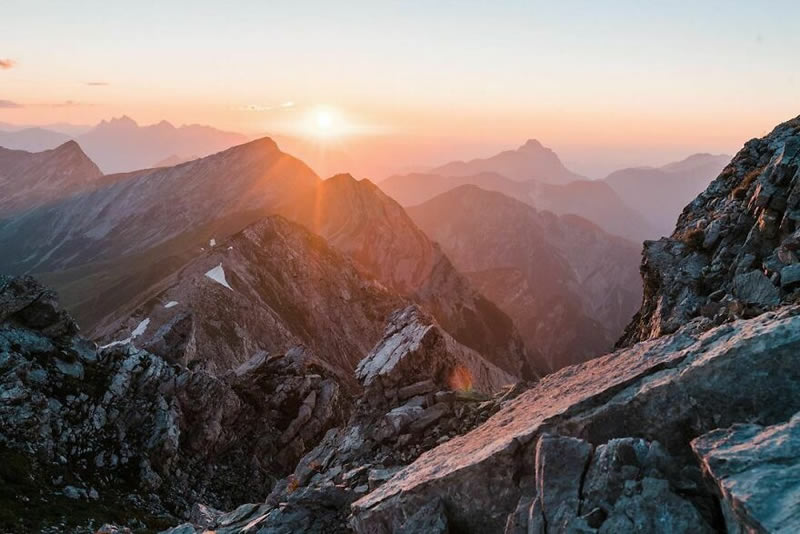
[{"x": 405, "y": 84}]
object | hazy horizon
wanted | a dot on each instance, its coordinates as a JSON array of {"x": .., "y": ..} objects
[{"x": 603, "y": 90}]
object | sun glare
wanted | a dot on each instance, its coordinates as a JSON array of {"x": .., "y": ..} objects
[{"x": 324, "y": 120}]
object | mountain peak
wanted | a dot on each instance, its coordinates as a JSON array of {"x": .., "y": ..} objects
[
  {"x": 263, "y": 144},
  {"x": 532, "y": 144},
  {"x": 123, "y": 121},
  {"x": 68, "y": 147}
]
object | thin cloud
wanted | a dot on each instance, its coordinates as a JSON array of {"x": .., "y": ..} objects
[
  {"x": 66, "y": 104},
  {"x": 8, "y": 104},
  {"x": 97, "y": 84},
  {"x": 7, "y": 63},
  {"x": 258, "y": 107}
]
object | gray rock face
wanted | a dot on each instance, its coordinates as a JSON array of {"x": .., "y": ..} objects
[
  {"x": 732, "y": 244},
  {"x": 669, "y": 390},
  {"x": 122, "y": 420},
  {"x": 756, "y": 470},
  {"x": 285, "y": 287}
]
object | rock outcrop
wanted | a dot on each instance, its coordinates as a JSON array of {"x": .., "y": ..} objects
[
  {"x": 734, "y": 250},
  {"x": 756, "y": 471},
  {"x": 121, "y": 425}
]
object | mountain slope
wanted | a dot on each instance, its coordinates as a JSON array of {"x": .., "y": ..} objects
[
  {"x": 272, "y": 286},
  {"x": 30, "y": 179},
  {"x": 106, "y": 245},
  {"x": 358, "y": 219},
  {"x": 531, "y": 161},
  {"x": 569, "y": 287},
  {"x": 130, "y": 213},
  {"x": 661, "y": 193},
  {"x": 594, "y": 200},
  {"x": 121, "y": 145}
]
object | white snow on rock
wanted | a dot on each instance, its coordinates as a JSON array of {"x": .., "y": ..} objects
[
  {"x": 212, "y": 243},
  {"x": 138, "y": 331},
  {"x": 218, "y": 275},
  {"x": 170, "y": 304},
  {"x": 230, "y": 248}
]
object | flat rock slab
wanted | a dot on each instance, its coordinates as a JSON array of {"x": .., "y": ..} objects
[
  {"x": 757, "y": 471},
  {"x": 671, "y": 389}
]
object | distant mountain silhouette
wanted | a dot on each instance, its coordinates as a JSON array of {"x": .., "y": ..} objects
[
  {"x": 121, "y": 145},
  {"x": 592, "y": 199},
  {"x": 531, "y": 161},
  {"x": 661, "y": 193},
  {"x": 31, "y": 139}
]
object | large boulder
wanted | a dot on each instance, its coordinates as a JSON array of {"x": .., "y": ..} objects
[
  {"x": 416, "y": 356},
  {"x": 756, "y": 471}
]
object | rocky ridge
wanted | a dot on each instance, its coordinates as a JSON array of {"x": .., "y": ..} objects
[
  {"x": 356, "y": 218},
  {"x": 284, "y": 286}
]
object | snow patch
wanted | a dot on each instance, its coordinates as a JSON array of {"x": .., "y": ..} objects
[
  {"x": 212, "y": 243},
  {"x": 138, "y": 331},
  {"x": 170, "y": 304},
  {"x": 218, "y": 275}
]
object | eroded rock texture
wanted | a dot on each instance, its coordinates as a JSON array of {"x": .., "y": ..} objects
[{"x": 121, "y": 424}]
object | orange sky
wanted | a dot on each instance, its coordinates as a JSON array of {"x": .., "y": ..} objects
[{"x": 414, "y": 83}]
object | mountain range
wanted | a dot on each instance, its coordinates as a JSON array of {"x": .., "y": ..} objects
[
  {"x": 122, "y": 145},
  {"x": 291, "y": 354},
  {"x": 544, "y": 270},
  {"x": 617, "y": 203},
  {"x": 107, "y": 247}
]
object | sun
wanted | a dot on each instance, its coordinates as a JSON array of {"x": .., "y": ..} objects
[{"x": 324, "y": 120}]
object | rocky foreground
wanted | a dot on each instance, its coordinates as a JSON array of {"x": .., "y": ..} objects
[{"x": 690, "y": 427}]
